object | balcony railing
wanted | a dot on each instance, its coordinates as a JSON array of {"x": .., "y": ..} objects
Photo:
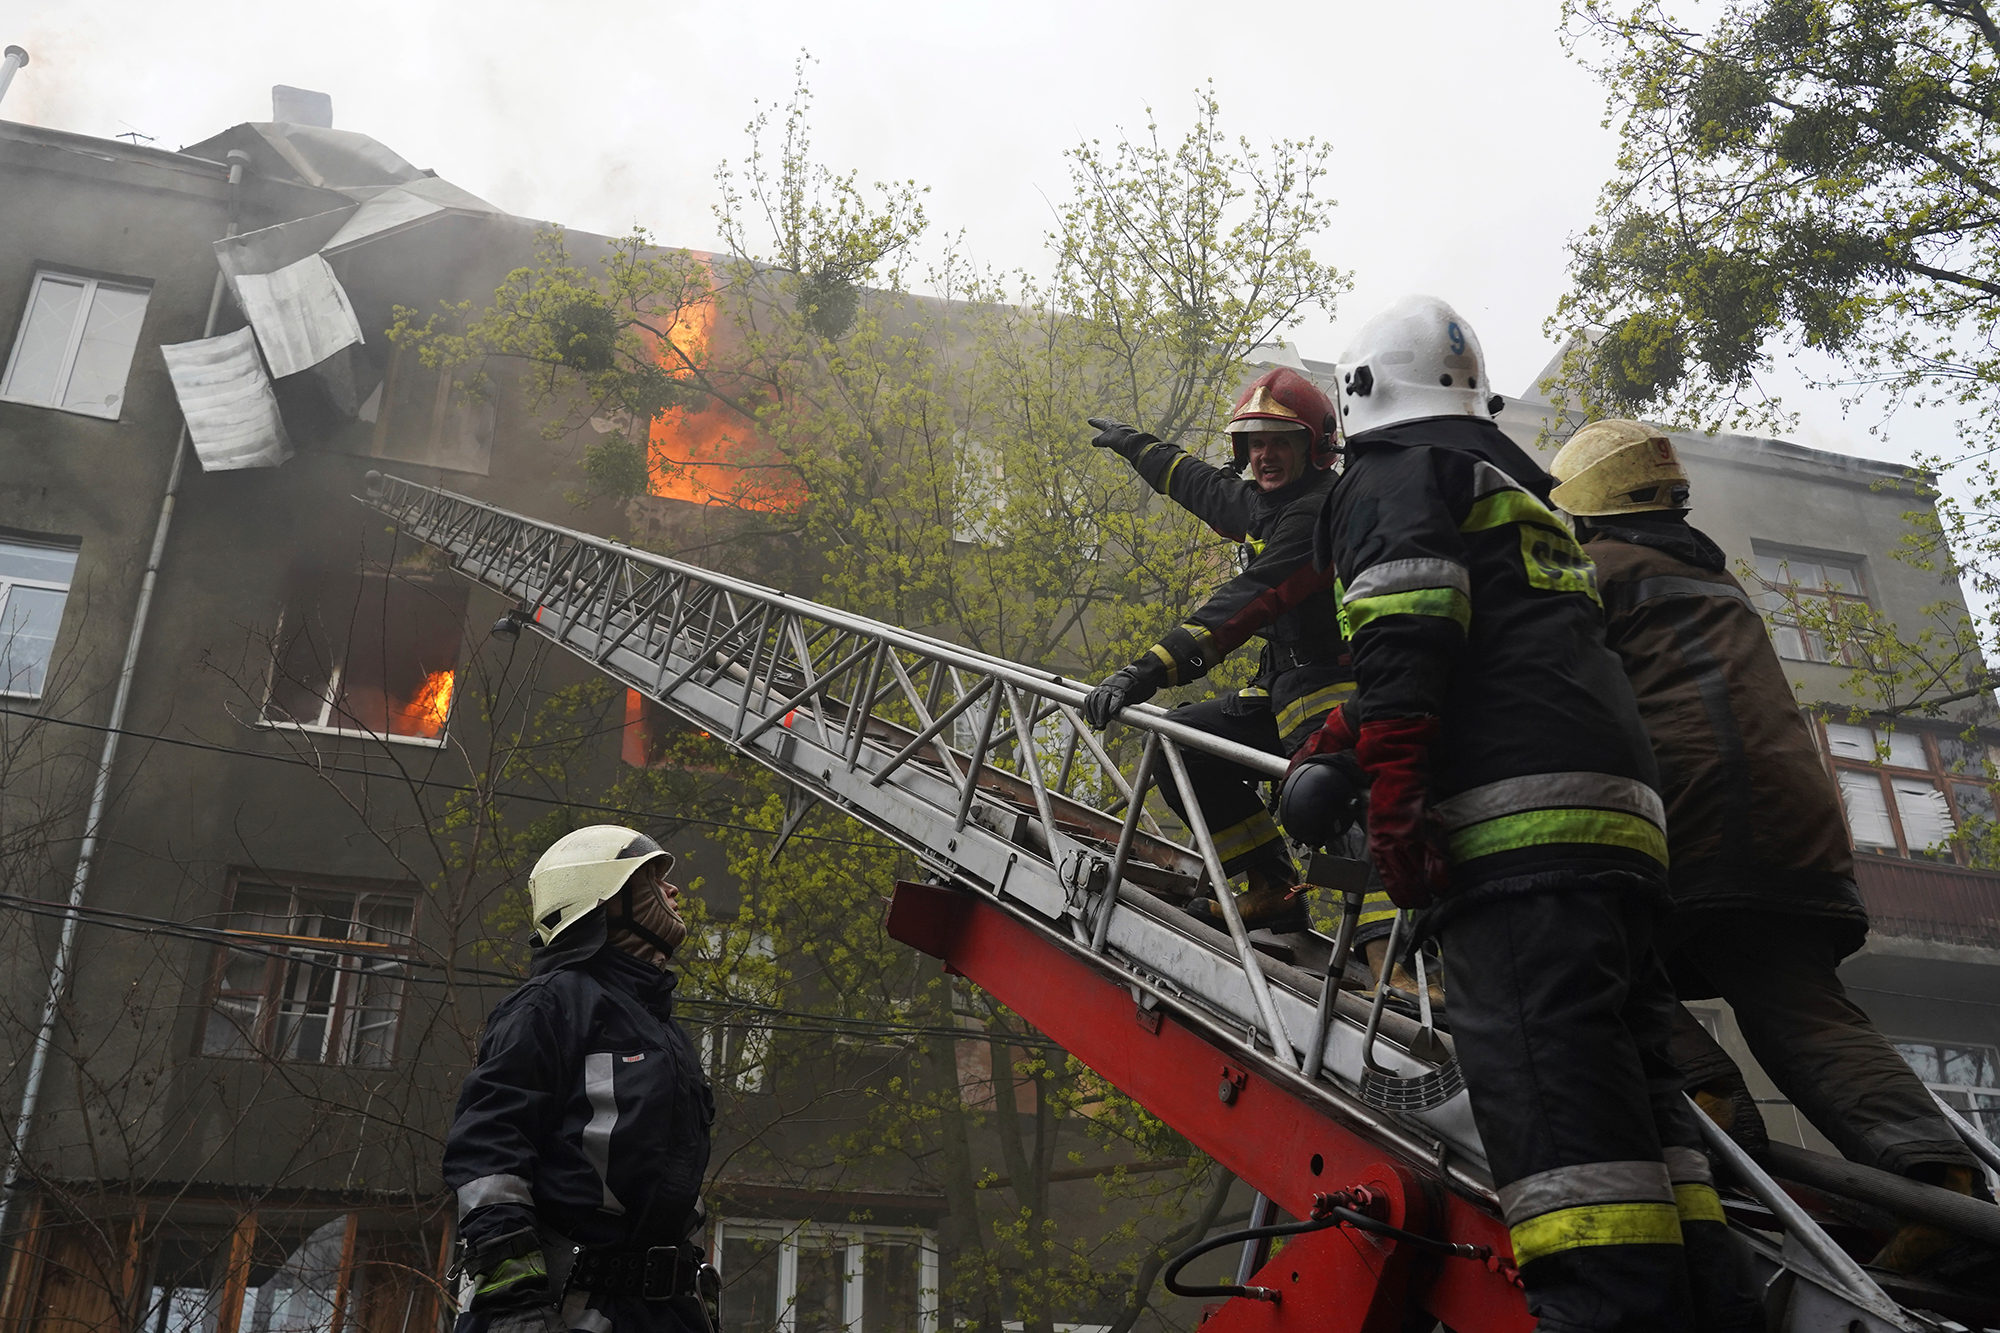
[{"x": 1926, "y": 901}]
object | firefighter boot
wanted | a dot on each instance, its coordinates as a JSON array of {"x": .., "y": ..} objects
[
  {"x": 1375, "y": 950},
  {"x": 1265, "y": 904},
  {"x": 1917, "y": 1243}
]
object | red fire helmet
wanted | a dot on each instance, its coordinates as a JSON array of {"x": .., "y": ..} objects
[{"x": 1283, "y": 399}]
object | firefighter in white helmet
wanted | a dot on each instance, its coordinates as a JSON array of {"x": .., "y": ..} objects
[
  {"x": 581, "y": 1137},
  {"x": 1760, "y": 865},
  {"x": 1512, "y": 788}
]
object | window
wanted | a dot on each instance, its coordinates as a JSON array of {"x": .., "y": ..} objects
[
  {"x": 732, "y": 981},
  {"x": 1966, "y": 1076},
  {"x": 1906, "y": 792},
  {"x": 74, "y": 348},
  {"x": 803, "y": 1278},
  {"x": 34, "y": 584},
  {"x": 1821, "y": 586},
  {"x": 337, "y": 1003},
  {"x": 370, "y": 653}
]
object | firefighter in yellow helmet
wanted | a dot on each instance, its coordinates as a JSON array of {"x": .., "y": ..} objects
[
  {"x": 581, "y": 1137},
  {"x": 1760, "y": 866}
]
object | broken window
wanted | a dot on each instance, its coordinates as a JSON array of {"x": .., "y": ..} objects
[
  {"x": 279, "y": 994},
  {"x": 373, "y": 653},
  {"x": 1905, "y": 792},
  {"x": 74, "y": 347},
  {"x": 34, "y": 584}
]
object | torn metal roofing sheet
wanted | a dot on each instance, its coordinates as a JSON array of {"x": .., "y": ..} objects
[
  {"x": 226, "y": 399},
  {"x": 330, "y": 159},
  {"x": 301, "y": 314},
  {"x": 403, "y": 206}
]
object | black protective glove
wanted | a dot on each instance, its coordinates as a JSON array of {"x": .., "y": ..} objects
[
  {"x": 1323, "y": 796},
  {"x": 1123, "y": 440},
  {"x": 1128, "y": 685},
  {"x": 508, "y": 1272}
]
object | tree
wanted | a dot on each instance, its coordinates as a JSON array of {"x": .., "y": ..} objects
[
  {"x": 936, "y": 474},
  {"x": 1818, "y": 172}
]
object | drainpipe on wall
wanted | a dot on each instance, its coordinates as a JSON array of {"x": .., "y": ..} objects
[
  {"x": 100, "y": 793},
  {"x": 11, "y": 59}
]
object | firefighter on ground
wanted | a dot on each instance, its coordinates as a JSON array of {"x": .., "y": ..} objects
[
  {"x": 581, "y": 1137},
  {"x": 1762, "y": 871},
  {"x": 1283, "y": 431},
  {"x": 1512, "y": 790}
]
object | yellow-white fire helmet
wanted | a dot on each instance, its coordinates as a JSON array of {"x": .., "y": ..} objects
[
  {"x": 1618, "y": 467},
  {"x": 585, "y": 868}
]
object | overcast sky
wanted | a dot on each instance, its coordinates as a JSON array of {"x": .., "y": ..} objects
[{"x": 1468, "y": 146}]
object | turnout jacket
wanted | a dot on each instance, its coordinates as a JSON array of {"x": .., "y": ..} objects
[
  {"x": 1279, "y": 594},
  {"x": 1753, "y": 821},
  {"x": 588, "y": 1113},
  {"x": 1467, "y": 600}
]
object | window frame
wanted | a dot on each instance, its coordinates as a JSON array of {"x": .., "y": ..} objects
[
  {"x": 1972, "y": 1111},
  {"x": 853, "y": 1240},
  {"x": 1938, "y": 774},
  {"x": 92, "y": 284},
  {"x": 8, "y": 584},
  {"x": 1774, "y": 616},
  {"x": 325, "y": 723},
  {"x": 284, "y": 952}
]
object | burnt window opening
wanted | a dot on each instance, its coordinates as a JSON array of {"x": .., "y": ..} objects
[
  {"x": 73, "y": 349},
  {"x": 313, "y": 974},
  {"x": 374, "y": 653}
]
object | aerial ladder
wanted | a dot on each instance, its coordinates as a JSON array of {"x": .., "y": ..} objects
[{"x": 1047, "y": 883}]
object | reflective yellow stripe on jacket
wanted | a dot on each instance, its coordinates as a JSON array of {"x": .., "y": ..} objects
[
  {"x": 1546, "y": 808},
  {"x": 1322, "y": 700},
  {"x": 1415, "y": 587}
]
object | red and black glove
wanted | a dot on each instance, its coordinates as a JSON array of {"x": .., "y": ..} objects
[
  {"x": 1406, "y": 848},
  {"x": 1333, "y": 737}
]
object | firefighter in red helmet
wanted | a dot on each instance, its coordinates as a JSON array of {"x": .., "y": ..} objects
[{"x": 1283, "y": 433}]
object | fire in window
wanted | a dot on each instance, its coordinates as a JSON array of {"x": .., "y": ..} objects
[
  {"x": 311, "y": 974},
  {"x": 34, "y": 584},
  {"x": 1802, "y": 595},
  {"x": 74, "y": 347},
  {"x": 373, "y": 653}
]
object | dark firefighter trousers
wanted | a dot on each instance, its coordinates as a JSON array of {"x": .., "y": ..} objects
[
  {"x": 1246, "y": 837},
  {"x": 1777, "y": 970},
  {"x": 1561, "y": 1016}
]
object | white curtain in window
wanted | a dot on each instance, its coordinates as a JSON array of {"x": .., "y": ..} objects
[
  {"x": 1921, "y": 806},
  {"x": 1867, "y": 811}
]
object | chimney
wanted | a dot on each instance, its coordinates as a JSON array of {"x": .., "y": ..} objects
[
  {"x": 12, "y": 59},
  {"x": 300, "y": 106}
]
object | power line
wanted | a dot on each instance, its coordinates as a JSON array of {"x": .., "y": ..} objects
[
  {"x": 443, "y": 786},
  {"x": 818, "y": 1024}
]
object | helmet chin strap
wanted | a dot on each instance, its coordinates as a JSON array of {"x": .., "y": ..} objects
[{"x": 633, "y": 924}]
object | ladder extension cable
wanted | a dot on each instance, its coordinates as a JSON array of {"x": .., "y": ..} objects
[{"x": 1329, "y": 1212}]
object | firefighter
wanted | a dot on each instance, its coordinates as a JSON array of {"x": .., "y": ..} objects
[
  {"x": 1282, "y": 430},
  {"x": 1512, "y": 790},
  {"x": 1762, "y": 871},
  {"x": 581, "y": 1137}
]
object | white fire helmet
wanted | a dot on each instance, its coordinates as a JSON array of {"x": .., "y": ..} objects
[
  {"x": 1415, "y": 359},
  {"x": 585, "y": 868}
]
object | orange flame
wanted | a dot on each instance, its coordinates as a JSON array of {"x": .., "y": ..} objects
[
  {"x": 432, "y": 705},
  {"x": 712, "y": 455}
]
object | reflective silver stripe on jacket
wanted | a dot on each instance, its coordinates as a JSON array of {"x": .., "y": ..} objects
[
  {"x": 597, "y": 1086},
  {"x": 1688, "y": 1166},
  {"x": 1545, "y": 791},
  {"x": 489, "y": 1190},
  {"x": 1673, "y": 585},
  {"x": 1407, "y": 576},
  {"x": 1486, "y": 479},
  {"x": 1581, "y": 1186}
]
